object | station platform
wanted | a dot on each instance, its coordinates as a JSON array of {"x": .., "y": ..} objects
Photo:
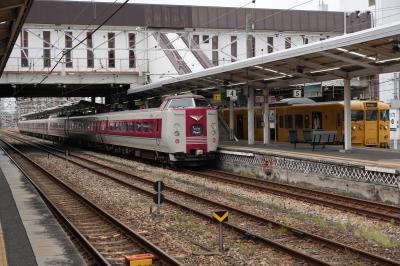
[
  {"x": 29, "y": 233},
  {"x": 365, "y": 156}
]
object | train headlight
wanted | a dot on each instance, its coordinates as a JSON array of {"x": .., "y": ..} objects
[
  {"x": 213, "y": 128},
  {"x": 354, "y": 128},
  {"x": 176, "y": 133},
  {"x": 177, "y": 141},
  {"x": 386, "y": 127}
]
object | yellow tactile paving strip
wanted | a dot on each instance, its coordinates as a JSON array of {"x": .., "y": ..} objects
[{"x": 3, "y": 256}]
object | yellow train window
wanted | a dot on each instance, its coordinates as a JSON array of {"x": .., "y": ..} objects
[
  {"x": 384, "y": 115},
  {"x": 298, "y": 121},
  {"x": 288, "y": 121},
  {"x": 371, "y": 115},
  {"x": 357, "y": 115}
]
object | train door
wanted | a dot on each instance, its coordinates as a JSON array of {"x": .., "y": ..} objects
[
  {"x": 316, "y": 120},
  {"x": 239, "y": 126},
  {"x": 371, "y": 127}
]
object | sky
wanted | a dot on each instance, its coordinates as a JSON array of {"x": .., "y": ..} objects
[{"x": 333, "y": 5}]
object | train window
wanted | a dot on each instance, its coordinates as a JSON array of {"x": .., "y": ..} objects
[
  {"x": 181, "y": 103},
  {"x": 306, "y": 121},
  {"x": 125, "y": 126},
  {"x": 384, "y": 115},
  {"x": 201, "y": 103},
  {"x": 316, "y": 120},
  {"x": 132, "y": 126},
  {"x": 138, "y": 126},
  {"x": 145, "y": 126},
  {"x": 298, "y": 121},
  {"x": 259, "y": 121},
  {"x": 280, "y": 121},
  {"x": 288, "y": 121},
  {"x": 371, "y": 115},
  {"x": 357, "y": 115}
]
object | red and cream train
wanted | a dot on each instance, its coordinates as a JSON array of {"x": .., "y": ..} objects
[{"x": 184, "y": 130}]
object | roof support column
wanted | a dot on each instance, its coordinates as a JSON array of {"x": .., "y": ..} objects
[
  {"x": 231, "y": 123},
  {"x": 266, "y": 117},
  {"x": 347, "y": 115},
  {"x": 250, "y": 116}
]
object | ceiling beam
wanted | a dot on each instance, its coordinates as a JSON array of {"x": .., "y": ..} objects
[
  {"x": 375, "y": 51},
  {"x": 347, "y": 60},
  {"x": 7, "y": 15},
  {"x": 8, "y": 4},
  {"x": 302, "y": 80},
  {"x": 316, "y": 67},
  {"x": 4, "y": 33},
  {"x": 395, "y": 67}
]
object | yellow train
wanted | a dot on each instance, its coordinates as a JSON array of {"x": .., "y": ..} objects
[{"x": 369, "y": 121}]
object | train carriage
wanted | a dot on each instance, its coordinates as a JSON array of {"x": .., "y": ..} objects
[
  {"x": 369, "y": 125},
  {"x": 183, "y": 130}
]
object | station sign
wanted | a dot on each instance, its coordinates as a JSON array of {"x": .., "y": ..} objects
[
  {"x": 297, "y": 93},
  {"x": 271, "y": 99},
  {"x": 313, "y": 90},
  {"x": 394, "y": 123},
  {"x": 231, "y": 93},
  {"x": 260, "y": 99},
  {"x": 217, "y": 97}
]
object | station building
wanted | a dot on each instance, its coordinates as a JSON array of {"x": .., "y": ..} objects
[{"x": 145, "y": 43}]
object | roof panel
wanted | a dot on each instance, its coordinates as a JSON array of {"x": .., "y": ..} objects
[{"x": 320, "y": 61}]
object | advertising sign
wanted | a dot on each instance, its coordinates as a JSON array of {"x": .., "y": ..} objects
[{"x": 312, "y": 90}]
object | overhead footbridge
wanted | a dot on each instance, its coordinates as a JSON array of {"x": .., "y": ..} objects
[
  {"x": 12, "y": 16},
  {"x": 364, "y": 53}
]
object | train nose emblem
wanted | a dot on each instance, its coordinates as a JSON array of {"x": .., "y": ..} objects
[{"x": 196, "y": 117}]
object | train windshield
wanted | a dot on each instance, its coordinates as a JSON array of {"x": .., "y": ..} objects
[
  {"x": 188, "y": 102},
  {"x": 357, "y": 115},
  {"x": 371, "y": 115},
  {"x": 202, "y": 103},
  {"x": 181, "y": 103}
]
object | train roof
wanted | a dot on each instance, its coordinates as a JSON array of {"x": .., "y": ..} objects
[
  {"x": 184, "y": 96},
  {"x": 354, "y": 104}
]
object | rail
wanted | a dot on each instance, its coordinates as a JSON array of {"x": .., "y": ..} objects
[
  {"x": 165, "y": 258},
  {"x": 99, "y": 169}
]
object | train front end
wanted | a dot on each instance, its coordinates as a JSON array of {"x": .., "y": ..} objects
[{"x": 192, "y": 130}]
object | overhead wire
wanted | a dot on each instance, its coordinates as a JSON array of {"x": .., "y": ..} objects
[
  {"x": 79, "y": 43},
  {"x": 263, "y": 18},
  {"x": 75, "y": 38}
]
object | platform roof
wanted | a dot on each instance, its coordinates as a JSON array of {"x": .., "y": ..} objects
[
  {"x": 12, "y": 16},
  {"x": 368, "y": 52}
]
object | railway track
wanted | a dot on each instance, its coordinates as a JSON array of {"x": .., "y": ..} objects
[
  {"x": 363, "y": 207},
  {"x": 103, "y": 236},
  {"x": 314, "y": 249}
]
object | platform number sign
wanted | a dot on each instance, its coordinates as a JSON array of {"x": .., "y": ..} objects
[
  {"x": 231, "y": 93},
  {"x": 217, "y": 97},
  {"x": 158, "y": 197},
  {"x": 297, "y": 93},
  {"x": 220, "y": 217}
]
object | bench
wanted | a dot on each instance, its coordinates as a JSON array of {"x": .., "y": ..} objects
[{"x": 314, "y": 137}]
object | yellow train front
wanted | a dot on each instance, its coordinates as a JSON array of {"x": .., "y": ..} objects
[{"x": 369, "y": 121}]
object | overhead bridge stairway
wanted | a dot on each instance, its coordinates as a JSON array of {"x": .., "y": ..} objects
[
  {"x": 174, "y": 57},
  {"x": 199, "y": 54}
]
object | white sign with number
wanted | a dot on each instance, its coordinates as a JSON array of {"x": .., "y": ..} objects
[
  {"x": 297, "y": 93},
  {"x": 231, "y": 93}
]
